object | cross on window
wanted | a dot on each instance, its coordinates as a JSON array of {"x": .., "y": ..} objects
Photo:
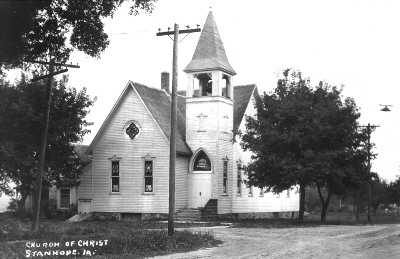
[{"x": 202, "y": 122}]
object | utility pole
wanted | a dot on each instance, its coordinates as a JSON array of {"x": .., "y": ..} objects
[
  {"x": 172, "y": 145},
  {"x": 38, "y": 191},
  {"x": 369, "y": 130}
]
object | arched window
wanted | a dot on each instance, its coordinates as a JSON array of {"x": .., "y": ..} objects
[{"x": 202, "y": 162}]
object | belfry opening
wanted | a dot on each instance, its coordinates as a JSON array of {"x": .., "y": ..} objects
[{"x": 204, "y": 85}]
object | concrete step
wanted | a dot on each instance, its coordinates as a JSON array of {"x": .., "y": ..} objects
[
  {"x": 80, "y": 217},
  {"x": 188, "y": 215}
]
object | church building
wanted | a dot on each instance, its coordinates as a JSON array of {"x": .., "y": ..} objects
[{"x": 129, "y": 171}]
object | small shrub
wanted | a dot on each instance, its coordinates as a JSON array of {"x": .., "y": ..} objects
[
  {"x": 12, "y": 205},
  {"x": 49, "y": 208}
]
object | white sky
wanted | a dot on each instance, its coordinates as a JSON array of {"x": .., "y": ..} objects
[{"x": 355, "y": 43}]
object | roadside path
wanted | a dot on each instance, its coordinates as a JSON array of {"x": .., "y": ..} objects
[{"x": 377, "y": 241}]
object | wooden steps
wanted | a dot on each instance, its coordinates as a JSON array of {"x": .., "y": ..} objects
[{"x": 188, "y": 215}]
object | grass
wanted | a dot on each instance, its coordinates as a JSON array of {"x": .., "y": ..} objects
[
  {"x": 110, "y": 238},
  {"x": 314, "y": 220}
]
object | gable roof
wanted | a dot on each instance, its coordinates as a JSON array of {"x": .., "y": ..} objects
[
  {"x": 242, "y": 95},
  {"x": 158, "y": 103},
  {"x": 210, "y": 53}
]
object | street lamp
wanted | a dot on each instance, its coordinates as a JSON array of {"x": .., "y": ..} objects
[
  {"x": 385, "y": 109},
  {"x": 369, "y": 128}
]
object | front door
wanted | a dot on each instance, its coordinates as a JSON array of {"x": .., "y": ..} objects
[{"x": 200, "y": 189}]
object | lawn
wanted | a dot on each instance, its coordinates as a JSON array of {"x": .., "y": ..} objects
[
  {"x": 314, "y": 220},
  {"x": 105, "y": 239}
]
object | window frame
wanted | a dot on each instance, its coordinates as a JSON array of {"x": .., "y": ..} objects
[
  {"x": 239, "y": 180},
  {"x": 126, "y": 126},
  {"x": 225, "y": 177},
  {"x": 61, "y": 195},
  {"x": 113, "y": 176},
  {"x": 144, "y": 176}
]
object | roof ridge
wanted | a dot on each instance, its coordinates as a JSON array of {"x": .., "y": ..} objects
[
  {"x": 159, "y": 89},
  {"x": 170, "y": 94}
]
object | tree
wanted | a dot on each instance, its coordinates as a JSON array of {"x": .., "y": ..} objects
[
  {"x": 379, "y": 190},
  {"x": 21, "y": 112},
  {"x": 312, "y": 200},
  {"x": 394, "y": 193},
  {"x": 33, "y": 29},
  {"x": 302, "y": 135}
]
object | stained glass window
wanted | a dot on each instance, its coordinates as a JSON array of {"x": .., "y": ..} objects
[
  {"x": 148, "y": 176},
  {"x": 202, "y": 162},
  {"x": 225, "y": 177},
  {"x": 115, "y": 176},
  {"x": 132, "y": 130}
]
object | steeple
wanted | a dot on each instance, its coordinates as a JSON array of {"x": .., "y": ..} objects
[{"x": 210, "y": 53}]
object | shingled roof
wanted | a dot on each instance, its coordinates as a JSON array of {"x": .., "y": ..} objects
[
  {"x": 159, "y": 104},
  {"x": 210, "y": 53},
  {"x": 242, "y": 95}
]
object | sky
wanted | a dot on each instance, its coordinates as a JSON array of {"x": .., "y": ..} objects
[{"x": 351, "y": 43}]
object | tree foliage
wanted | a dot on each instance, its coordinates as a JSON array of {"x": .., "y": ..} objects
[
  {"x": 306, "y": 136},
  {"x": 33, "y": 29},
  {"x": 21, "y": 113},
  {"x": 380, "y": 193},
  {"x": 394, "y": 193}
]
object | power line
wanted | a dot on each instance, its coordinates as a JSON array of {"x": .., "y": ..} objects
[
  {"x": 46, "y": 116},
  {"x": 172, "y": 152}
]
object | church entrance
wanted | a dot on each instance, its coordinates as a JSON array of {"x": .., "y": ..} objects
[
  {"x": 200, "y": 189},
  {"x": 200, "y": 181}
]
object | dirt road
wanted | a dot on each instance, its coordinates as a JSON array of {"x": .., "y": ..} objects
[{"x": 377, "y": 241}]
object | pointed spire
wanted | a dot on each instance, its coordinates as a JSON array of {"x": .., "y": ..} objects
[{"x": 210, "y": 53}]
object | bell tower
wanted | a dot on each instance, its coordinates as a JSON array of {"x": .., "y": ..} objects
[{"x": 209, "y": 102}]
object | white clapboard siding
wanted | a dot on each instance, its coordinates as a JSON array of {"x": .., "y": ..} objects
[
  {"x": 85, "y": 186},
  {"x": 225, "y": 200},
  {"x": 181, "y": 182},
  {"x": 151, "y": 142},
  {"x": 212, "y": 108},
  {"x": 216, "y": 140}
]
